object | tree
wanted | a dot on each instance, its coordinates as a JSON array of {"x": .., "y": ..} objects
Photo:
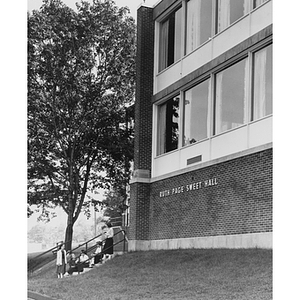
[
  {"x": 115, "y": 198},
  {"x": 114, "y": 203},
  {"x": 81, "y": 76}
]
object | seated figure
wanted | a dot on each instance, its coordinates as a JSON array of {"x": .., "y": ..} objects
[
  {"x": 97, "y": 255},
  {"x": 72, "y": 263},
  {"x": 82, "y": 262}
]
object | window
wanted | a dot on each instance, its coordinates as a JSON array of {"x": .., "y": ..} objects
[
  {"x": 231, "y": 10},
  {"x": 170, "y": 49},
  {"x": 236, "y": 95},
  {"x": 196, "y": 113},
  {"x": 262, "y": 83},
  {"x": 168, "y": 126},
  {"x": 198, "y": 24},
  {"x": 258, "y": 2},
  {"x": 230, "y": 97}
]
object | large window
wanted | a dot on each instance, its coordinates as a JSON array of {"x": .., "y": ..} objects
[
  {"x": 198, "y": 23},
  {"x": 168, "y": 126},
  {"x": 231, "y": 97},
  {"x": 262, "y": 83},
  {"x": 196, "y": 113},
  {"x": 170, "y": 49},
  {"x": 194, "y": 22},
  {"x": 231, "y": 10}
]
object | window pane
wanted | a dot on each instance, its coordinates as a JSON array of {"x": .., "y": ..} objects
[
  {"x": 231, "y": 10},
  {"x": 168, "y": 126},
  {"x": 199, "y": 23},
  {"x": 231, "y": 97},
  {"x": 262, "y": 89},
  {"x": 196, "y": 113},
  {"x": 170, "y": 39},
  {"x": 258, "y": 2},
  {"x": 177, "y": 35}
]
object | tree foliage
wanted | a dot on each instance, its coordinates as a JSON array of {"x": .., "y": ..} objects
[{"x": 81, "y": 76}]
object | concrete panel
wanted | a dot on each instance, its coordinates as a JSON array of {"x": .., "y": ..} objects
[
  {"x": 246, "y": 241},
  {"x": 166, "y": 163},
  {"x": 260, "y": 132},
  {"x": 229, "y": 142},
  {"x": 193, "y": 150},
  {"x": 261, "y": 17},
  {"x": 168, "y": 76},
  {"x": 197, "y": 58},
  {"x": 231, "y": 36}
]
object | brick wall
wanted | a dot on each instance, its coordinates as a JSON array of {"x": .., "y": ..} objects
[
  {"x": 240, "y": 202},
  {"x": 140, "y": 192},
  {"x": 139, "y": 211},
  {"x": 144, "y": 89}
]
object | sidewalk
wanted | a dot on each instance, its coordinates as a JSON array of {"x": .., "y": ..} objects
[{"x": 36, "y": 296}]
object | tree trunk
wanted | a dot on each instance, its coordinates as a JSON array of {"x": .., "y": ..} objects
[{"x": 69, "y": 237}]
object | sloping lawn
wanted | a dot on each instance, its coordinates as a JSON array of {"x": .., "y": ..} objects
[{"x": 206, "y": 274}]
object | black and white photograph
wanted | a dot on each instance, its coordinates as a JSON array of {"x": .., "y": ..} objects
[{"x": 150, "y": 136}]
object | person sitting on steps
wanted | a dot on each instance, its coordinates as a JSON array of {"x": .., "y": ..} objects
[
  {"x": 97, "y": 255},
  {"x": 72, "y": 263},
  {"x": 82, "y": 262}
]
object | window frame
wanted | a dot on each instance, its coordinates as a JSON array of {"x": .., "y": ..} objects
[
  {"x": 183, "y": 4},
  {"x": 252, "y": 66},
  {"x": 159, "y": 139},
  {"x": 210, "y": 75},
  {"x": 219, "y": 69},
  {"x": 166, "y": 16},
  {"x": 209, "y": 101}
]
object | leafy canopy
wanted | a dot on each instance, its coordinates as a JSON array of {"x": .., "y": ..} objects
[{"x": 81, "y": 77}]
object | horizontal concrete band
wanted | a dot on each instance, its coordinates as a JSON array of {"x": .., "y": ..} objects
[
  {"x": 252, "y": 240},
  {"x": 139, "y": 175}
]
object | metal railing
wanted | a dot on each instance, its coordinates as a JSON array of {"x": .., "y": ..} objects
[
  {"x": 37, "y": 262},
  {"x": 124, "y": 240}
]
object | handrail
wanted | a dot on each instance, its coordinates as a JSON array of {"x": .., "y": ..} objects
[
  {"x": 33, "y": 267},
  {"x": 123, "y": 240},
  {"x": 56, "y": 247},
  {"x": 94, "y": 246}
]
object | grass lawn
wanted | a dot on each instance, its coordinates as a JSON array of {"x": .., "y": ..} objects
[{"x": 206, "y": 274}]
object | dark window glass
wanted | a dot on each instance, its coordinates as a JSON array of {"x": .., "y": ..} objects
[
  {"x": 170, "y": 49},
  {"x": 168, "y": 126}
]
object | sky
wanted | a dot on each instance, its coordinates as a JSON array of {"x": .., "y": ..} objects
[{"x": 132, "y": 4}]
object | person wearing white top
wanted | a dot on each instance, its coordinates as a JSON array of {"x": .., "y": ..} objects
[
  {"x": 61, "y": 261},
  {"x": 97, "y": 255}
]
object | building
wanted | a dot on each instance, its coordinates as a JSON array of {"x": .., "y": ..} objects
[{"x": 203, "y": 126}]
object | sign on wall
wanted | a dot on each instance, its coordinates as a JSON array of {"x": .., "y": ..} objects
[{"x": 188, "y": 187}]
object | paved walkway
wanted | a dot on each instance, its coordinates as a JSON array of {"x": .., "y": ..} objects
[{"x": 37, "y": 296}]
